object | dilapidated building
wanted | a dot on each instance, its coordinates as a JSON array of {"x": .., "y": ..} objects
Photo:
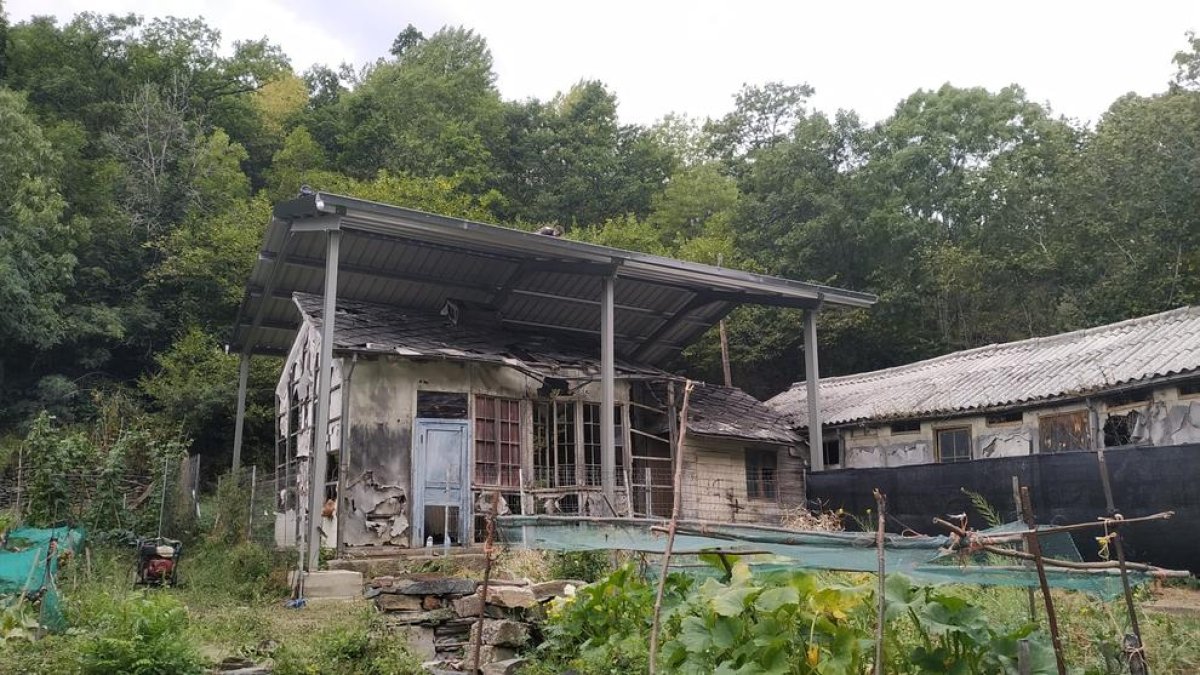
[
  {"x": 1136, "y": 382},
  {"x": 468, "y": 364}
]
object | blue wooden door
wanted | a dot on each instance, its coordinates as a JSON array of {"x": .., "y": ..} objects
[{"x": 441, "y": 488}]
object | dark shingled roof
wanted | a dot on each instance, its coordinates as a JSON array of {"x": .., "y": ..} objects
[
  {"x": 729, "y": 412},
  {"x": 369, "y": 327},
  {"x": 382, "y": 329}
]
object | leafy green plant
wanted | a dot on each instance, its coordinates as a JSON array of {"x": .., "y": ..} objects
[
  {"x": 784, "y": 622},
  {"x": 582, "y": 565},
  {"x": 18, "y": 622},
  {"x": 954, "y": 636},
  {"x": 603, "y": 628},
  {"x": 145, "y": 634},
  {"x": 985, "y": 509}
]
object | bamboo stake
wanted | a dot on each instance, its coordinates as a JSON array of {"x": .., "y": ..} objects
[
  {"x": 1016, "y": 488},
  {"x": 487, "y": 576},
  {"x": 675, "y": 508},
  {"x": 881, "y": 506},
  {"x": 1035, "y": 547},
  {"x": 1133, "y": 647}
]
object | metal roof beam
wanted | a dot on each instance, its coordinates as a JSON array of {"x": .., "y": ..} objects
[
  {"x": 588, "y": 301},
  {"x": 277, "y": 263},
  {"x": 671, "y": 322},
  {"x": 317, "y": 263},
  {"x": 568, "y": 329},
  {"x": 768, "y": 300}
]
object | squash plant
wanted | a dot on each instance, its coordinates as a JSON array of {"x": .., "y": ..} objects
[
  {"x": 780, "y": 622},
  {"x": 954, "y": 636}
]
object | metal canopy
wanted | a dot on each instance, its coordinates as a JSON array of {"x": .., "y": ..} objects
[{"x": 402, "y": 257}]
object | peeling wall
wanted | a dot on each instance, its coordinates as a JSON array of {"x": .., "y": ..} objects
[
  {"x": 714, "y": 482},
  {"x": 1168, "y": 418},
  {"x": 382, "y": 405},
  {"x": 298, "y": 383}
]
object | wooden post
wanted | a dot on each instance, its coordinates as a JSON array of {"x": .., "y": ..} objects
[
  {"x": 1035, "y": 547},
  {"x": 1016, "y": 487},
  {"x": 675, "y": 508},
  {"x": 1024, "y": 666},
  {"x": 881, "y": 506},
  {"x": 487, "y": 576},
  {"x": 1132, "y": 644}
]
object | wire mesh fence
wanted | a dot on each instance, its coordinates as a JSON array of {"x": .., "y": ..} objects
[{"x": 107, "y": 500}]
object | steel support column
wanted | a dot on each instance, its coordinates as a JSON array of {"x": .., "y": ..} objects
[
  {"x": 812, "y": 379},
  {"x": 608, "y": 444},
  {"x": 239, "y": 422},
  {"x": 321, "y": 440}
]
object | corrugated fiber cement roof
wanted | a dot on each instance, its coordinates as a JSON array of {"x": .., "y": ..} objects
[{"x": 1046, "y": 368}]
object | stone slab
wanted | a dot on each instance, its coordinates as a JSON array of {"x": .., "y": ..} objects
[{"x": 331, "y": 584}]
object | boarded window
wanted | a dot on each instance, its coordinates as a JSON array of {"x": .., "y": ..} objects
[
  {"x": 444, "y": 405},
  {"x": 497, "y": 441},
  {"x": 954, "y": 445},
  {"x": 1063, "y": 432},
  {"x": 761, "y": 472}
]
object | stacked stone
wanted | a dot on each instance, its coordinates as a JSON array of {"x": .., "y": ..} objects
[{"x": 439, "y": 616}]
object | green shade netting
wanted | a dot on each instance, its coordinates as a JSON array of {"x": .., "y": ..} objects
[
  {"x": 924, "y": 558},
  {"x": 27, "y": 567}
]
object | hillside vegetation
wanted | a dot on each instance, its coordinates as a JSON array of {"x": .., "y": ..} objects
[{"x": 139, "y": 161}]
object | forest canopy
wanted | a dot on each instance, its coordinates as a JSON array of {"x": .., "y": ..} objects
[{"x": 140, "y": 159}]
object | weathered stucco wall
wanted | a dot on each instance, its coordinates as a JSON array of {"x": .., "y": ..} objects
[
  {"x": 1168, "y": 418},
  {"x": 714, "y": 482},
  {"x": 377, "y": 475},
  {"x": 298, "y": 385}
]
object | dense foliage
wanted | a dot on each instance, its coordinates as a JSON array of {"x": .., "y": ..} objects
[
  {"x": 780, "y": 622},
  {"x": 140, "y": 159}
]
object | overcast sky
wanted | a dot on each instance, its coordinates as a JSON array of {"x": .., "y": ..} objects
[{"x": 691, "y": 57}]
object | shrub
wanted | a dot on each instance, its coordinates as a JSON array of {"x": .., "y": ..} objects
[
  {"x": 248, "y": 572},
  {"x": 357, "y": 649},
  {"x": 145, "y": 634},
  {"x": 582, "y": 565}
]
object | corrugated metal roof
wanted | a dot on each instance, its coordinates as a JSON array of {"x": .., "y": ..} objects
[
  {"x": 403, "y": 257},
  {"x": 1065, "y": 365}
]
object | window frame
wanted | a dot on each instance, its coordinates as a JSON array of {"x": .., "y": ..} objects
[
  {"x": 583, "y": 473},
  {"x": 504, "y": 411},
  {"x": 937, "y": 443},
  {"x": 759, "y": 485},
  {"x": 841, "y": 451},
  {"x": 1043, "y": 420}
]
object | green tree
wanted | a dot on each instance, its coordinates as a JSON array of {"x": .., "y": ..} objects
[{"x": 431, "y": 112}]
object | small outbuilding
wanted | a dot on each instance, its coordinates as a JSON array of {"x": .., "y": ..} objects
[{"x": 1132, "y": 383}]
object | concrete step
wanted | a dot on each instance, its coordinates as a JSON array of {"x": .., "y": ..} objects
[{"x": 331, "y": 584}]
